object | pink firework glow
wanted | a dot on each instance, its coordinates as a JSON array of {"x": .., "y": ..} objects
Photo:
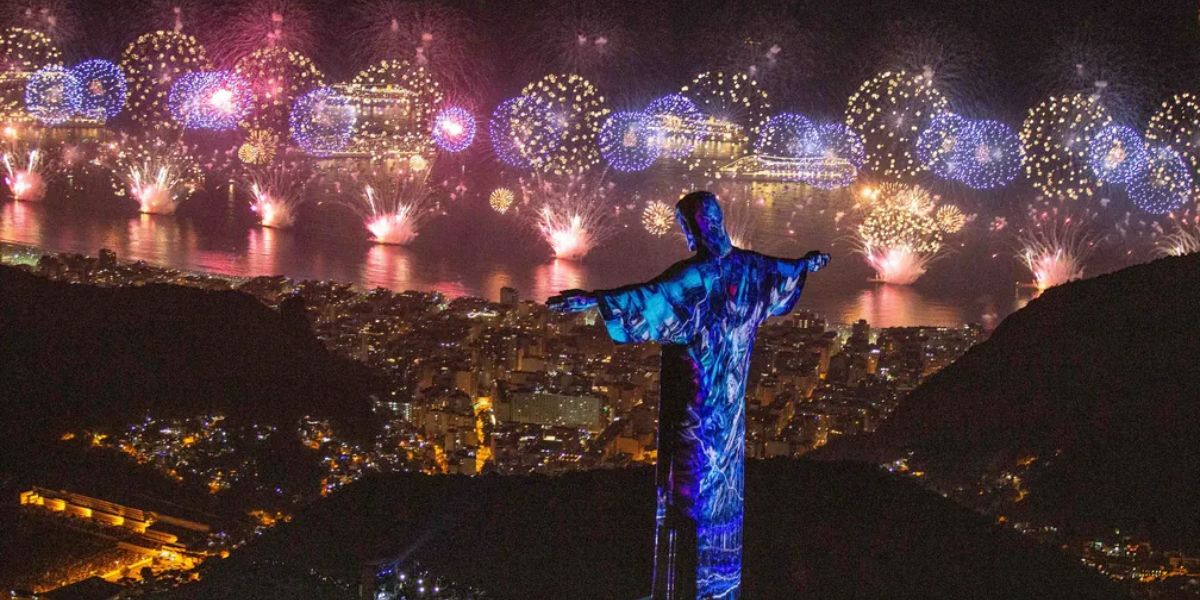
[
  {"x": 266, "y": 23},
  {"x": 276, "y": 192},
  {"x": 900, "y": 234},
  {"x": 22, "y": 175},
  {"x": 573, "y": 215},
  {"x": 566, "y": 234},
  {"x": 1055, "y": 253},
  {"x": 398, "y": 227},
  {"x": 900, "y": 265},
  {"x": 395, "y": 202},
  {"x": 1055, "y": 247},
  {"x": 159, "y": 175},
  {"x": 426, "y": 33}
]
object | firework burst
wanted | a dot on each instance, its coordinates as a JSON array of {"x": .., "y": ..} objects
[
  {"x": 658, "y": 218},
  {"x": 1164, "y": 184},
  {"x": 628, "y": 141},
  {"x": 1183, "y": 239},
  {"x": 172, "y": 14},
  {"x": 507, "y": 139},
  {"x": 990, "y": 155},
  {"x": 277, "y": 77},
  {"x": 786, "y": 135},
  {"x": 1087, "y": 62},
  {"x": 763, "y": 41},
  {"x": 730, "y": 97},
  {"x": 1054, "y": 247},
  {"x": 426, "y": 33},
  {"x": 937, "y": 147},
  {"x": 214, "y": 100},
  {"x": 53, "y": 95},
  {"x": 890, "y": 111},
  {"x": 672, "y": 114},
  {"x": 943, "y": 52},
  {"x": 733, "y": 112},
  {"x": 903, "y": 232},
  {"x": 394, "y": 203},
  {"x": 151, "y": 64},
  {"x": 276, "y": 192},
  {"x": 1117, "y": 153},
  {"x": 389, "y": 127},
  {"x": 1176, "y": 125},
  {"x": 501, "y": 199},
  {"x": 103, "y": 89},
  {"x": 583, "y": 37},
  {"x": 453, "y": 129},
  {"x": 22, "y": 51},
  {"x": 259, "y": 148},
  {"x": 1057, "y": 135},
  {"x": 603, "y": 41},
  {"x": 741, "y": 221},
  {"x": 51, "y": 17},
  {"x": 23, "y": 172},
  {"x": 572, "y": 214},
  {"x": 269, "y": 23},
  {"x": 950, "y": 218},
  {"x": 322, "y": 122},
  {"x": 563, "y": 115},
  {"x": 159, "y": 175}
]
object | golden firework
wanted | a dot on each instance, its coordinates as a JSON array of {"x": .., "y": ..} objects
[
  {"x": 277, "y": 77},
  {"x": 890, "y": 111},
  {"x": 950, "y": 218},
  {"x": 259, "y": 147},
  {"x": 559, "y": 118},
  {"x": 1056, "y": 135},
  {"x": 1177, "y": 126},
  {"x": 151, "y": 64},
  {"x": 501, "y": 199},
  {"x": 658, "y": 218},
  {"x": 22, "y": 51}
]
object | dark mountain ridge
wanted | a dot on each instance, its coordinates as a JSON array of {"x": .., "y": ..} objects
[
  {"x": 813, "y": 530},
  {"x": 1094, "y": 386},
  {"x": 81, "y": 356}
]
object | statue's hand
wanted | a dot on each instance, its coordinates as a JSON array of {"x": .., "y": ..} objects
[
  {"x": 816, "y": 260},
  {"x": 571, "y": 301}
]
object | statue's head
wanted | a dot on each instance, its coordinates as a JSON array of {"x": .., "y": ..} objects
[{"x": 699, "y": 214}]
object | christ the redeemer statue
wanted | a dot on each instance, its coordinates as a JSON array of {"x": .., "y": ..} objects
[{"x": 705, "y": 311}]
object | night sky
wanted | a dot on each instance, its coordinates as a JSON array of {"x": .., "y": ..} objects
[{"x": 995, "y": 59}]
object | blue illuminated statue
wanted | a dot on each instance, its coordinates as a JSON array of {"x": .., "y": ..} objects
[{"x": 705, "y": 311}]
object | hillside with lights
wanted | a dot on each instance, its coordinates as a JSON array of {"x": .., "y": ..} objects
[{"x": 1077, "y": 412}]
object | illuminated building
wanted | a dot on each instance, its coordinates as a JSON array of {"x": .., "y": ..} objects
[
  {"x": 706, "y": 139},
  {"x": 820, "y": 171},
  {"x": 560, "y": 410},
  {"x": 509, "y": 296},
  {"x": 148, "y": 539},
  {"x": 387, "y": 123}
]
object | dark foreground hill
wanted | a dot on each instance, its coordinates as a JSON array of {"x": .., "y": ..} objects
[
  {"x": 84, "y": 357},
  {"x": 1094, "y": 387},
  {"x": 813, "y": 530}
]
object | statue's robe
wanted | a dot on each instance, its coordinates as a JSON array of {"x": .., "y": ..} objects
[{"x": 705, "y": 312}]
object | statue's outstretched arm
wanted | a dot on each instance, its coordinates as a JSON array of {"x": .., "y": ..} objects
[
  {"x": 815, "y": 261},
  {"x": 571, "y": 301},
  {"x": 664, "y": 309},
  {"x": 787, "y": 280}
]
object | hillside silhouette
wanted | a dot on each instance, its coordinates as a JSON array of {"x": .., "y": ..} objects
[
  {"x": 813, "y": 530},
  {"x": 1094, "y": 386},
  {"x": 86, "y": 357}
]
